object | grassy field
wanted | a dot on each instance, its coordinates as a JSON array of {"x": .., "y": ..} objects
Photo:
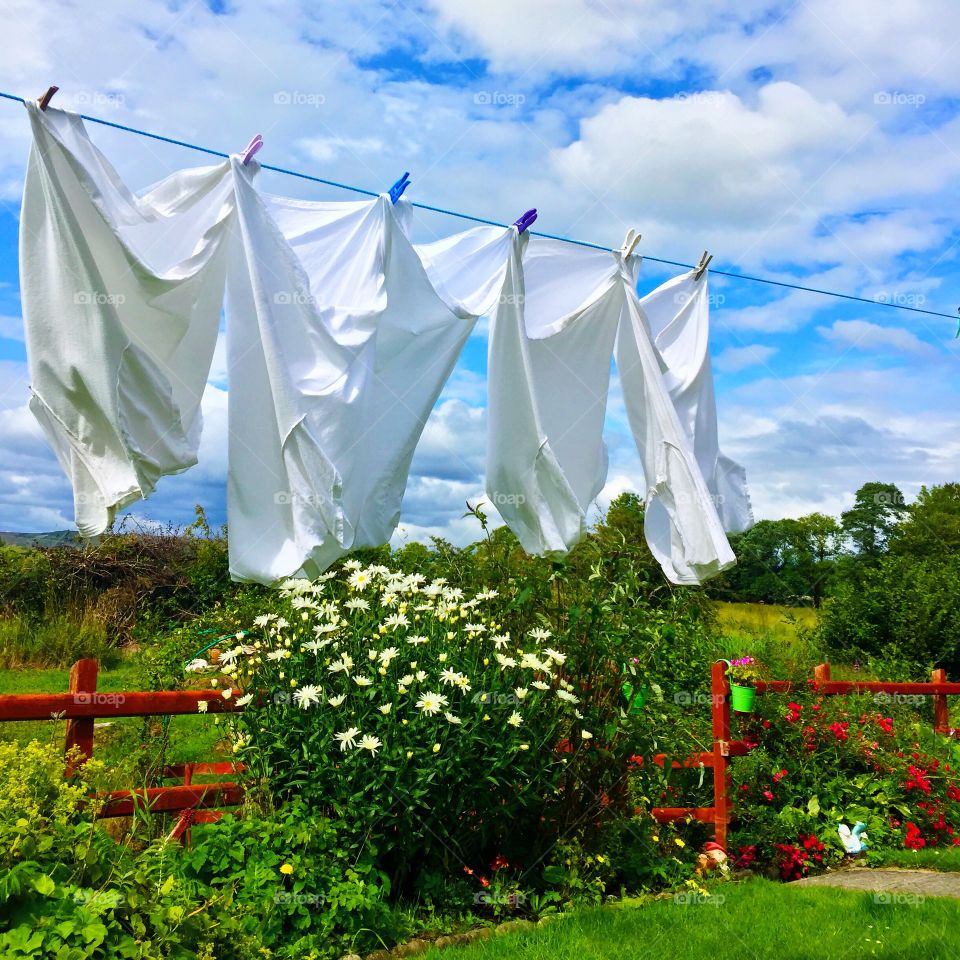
[
  {"x": 945, "y": 858},
  {"x": 780, "y": 637},
  {"x": 757, "y": 920}
]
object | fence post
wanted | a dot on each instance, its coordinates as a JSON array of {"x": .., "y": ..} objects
[
  {"x": 821, "y": 673},
  {"x": 83, "y": 685},
  {"x": 720, "y": 709},
  {"x": 941, "y": 712}
]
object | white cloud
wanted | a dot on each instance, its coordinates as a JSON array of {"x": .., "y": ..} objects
[
  {"x": 864, "y": 335},
  {"x": 734, "y": 359}
]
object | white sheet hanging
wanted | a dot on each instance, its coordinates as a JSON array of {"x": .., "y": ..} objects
[
  {"x": 338, "y": 347},
  {"x": 121, "y": 303},
  {"x": 678, "y": 315},
  {"x": 551, "y": 341},
  {"x": 681, "y": 522}
]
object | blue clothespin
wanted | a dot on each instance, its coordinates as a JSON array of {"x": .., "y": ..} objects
[
  {"x": 525, "y": 220},
  {"x": 396, "y": 191}
]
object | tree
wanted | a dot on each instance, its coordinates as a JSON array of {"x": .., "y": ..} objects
[{"x": 877, "y": 509}]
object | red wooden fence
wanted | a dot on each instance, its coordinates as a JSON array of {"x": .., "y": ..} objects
[
  {"x": 718, "y": 759},
  {"x": 83, "y": 704}
]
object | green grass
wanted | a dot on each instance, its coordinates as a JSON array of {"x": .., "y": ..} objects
[
  {"x": 116, "y": 742},
  {"x": 757, "y": 920},
  {"x": 56, "y": 640},
  {"x": 779, "y": 637},
  {"x": 944, "y": 858}
]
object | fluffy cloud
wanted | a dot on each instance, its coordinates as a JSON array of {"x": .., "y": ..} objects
[
  {"x": 734, "y": 359},
  {"x": 864, "y": 335}
]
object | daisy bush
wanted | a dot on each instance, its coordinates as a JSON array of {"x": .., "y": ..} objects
[{"x": 405, "y": 706}]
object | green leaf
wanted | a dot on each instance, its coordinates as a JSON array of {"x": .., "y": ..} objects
[
  {"x": 813, "y": 806},
  {"x": 44, "y": 885}
]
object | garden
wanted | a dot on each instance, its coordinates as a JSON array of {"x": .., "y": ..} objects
[{"x": 438, "y": 742}]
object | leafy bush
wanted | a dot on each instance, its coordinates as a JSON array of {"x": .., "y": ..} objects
[
  {"x": 817, "y": 762},
  {"x": 402, "y": 705}
]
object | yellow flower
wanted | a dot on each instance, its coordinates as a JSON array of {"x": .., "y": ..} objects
[
  {"x": 286, "y": 869},
  {"x": 293, "y": 682},
  {"x": 679, "y": 842},
  {"x": 601, "y": 858},
  {"x": 409, "y": 754},
  {"x": 486, "y": 716},
  {"x": 486, "y": 661},
  {"x": 524, "y": 746},
  {"x": 654, "y": 838},
  {"x": 436, "y": 748}
]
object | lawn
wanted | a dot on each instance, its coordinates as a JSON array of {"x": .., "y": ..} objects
[
  {"x": 930, "y": 858},
  {"x": 778, "y": 636},
  {"x": 755, "y": 920}
]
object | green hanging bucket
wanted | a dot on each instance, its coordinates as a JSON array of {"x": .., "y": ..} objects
[
  {"x": 742, "y": 698},
  {"x": 636, "y": 697}
]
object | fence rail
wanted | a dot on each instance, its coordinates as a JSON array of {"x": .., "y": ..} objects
[
  {"x": 200, "y": 802},
  {"x": 718, "y": 760}
]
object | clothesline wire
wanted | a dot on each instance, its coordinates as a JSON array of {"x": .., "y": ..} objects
[{"x": 493, "y": 223}]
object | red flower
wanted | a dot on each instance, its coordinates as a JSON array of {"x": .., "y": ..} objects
[
  {"x": 914, "y": 839},
  {"x": 777, "y": 777},
  {"x": 768, "y": 795},
  {"x": 886, "y": 724},
  {"x": 499, "y": 862}
]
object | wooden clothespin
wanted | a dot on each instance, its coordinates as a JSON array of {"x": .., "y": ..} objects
[
  {"x": 629, "y": 243},
  {"x": 44, "y": 101},
  {"x": 702, "y": 265}
]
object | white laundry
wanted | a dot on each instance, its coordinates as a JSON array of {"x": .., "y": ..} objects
[
  {"x": 678, "y": 315},
  {"x": 121, "y": 302},
  {"x": 681, "y": 522},
  {"x": 550, "y": 347},
  {"x": 552, "y": 339},
  {"x": 338, "y": 347}
]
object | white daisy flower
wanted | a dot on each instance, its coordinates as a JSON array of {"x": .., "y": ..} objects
[
  {"x": 244, "y": 700},
  {"x": 474, "y": 628},
  {"x": 202, "y": 706},
  {"x": 505, "y": 661},
  {"x": 463, "y": 683},
  {"x": 357, "y": 603},
  {"x": 264, "y": 619},
  {"x": 347, "y": 738},
  {"x": 370, "y": 743},
  {"x": 449, "y": 677},
  {"x": 487, "y": 595},
  {"x": 515, "y": 719},
  {"x": 389, "y": 654},
  {"x": 359, "y": 580},
  {"x": 431, "y": 703},
  {"x": 362, "y": 681},
  {"x": 421, "y": 675},
  {"x": 539, "y": 634},
  {"x": 569, "y": 697},
  {"x": 451, "y": 718},
  {"x": 352, "y": 564},
  {"x": 196, "y": 665},
  {"x": 555, "y": 655},
  {"x": 520, "y": 692},
  {"x": 306, "y": 695},
  {"x": 275, "y": 655},
  {"x": 540, "y": 685},
  {"x": 501, "y": 640},
  {"x": 337, "y": 700},
  {"x": 531, "y": 661},
  {"x": 406, "y": 680},
  {"x": 586, "y": 734},
  {"x": 416, "y": 641},
  {"x": 396, "y": 620},
  {"x": 386, "y": 708}
]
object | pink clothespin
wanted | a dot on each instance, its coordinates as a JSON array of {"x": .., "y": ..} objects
[
  {"x": 250, "y": 151},
  {"x": 44, "y": 101}
]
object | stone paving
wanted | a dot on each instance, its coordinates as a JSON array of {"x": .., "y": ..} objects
[{"x": 889, "y": 880}]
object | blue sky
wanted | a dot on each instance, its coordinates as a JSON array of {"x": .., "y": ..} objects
[{"x": 813, "y": 142}]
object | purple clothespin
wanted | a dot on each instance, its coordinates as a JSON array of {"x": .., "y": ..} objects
[
  {"x": 396, "y": 191},
  {"x": 525, "y": 220},
  {"x": 250, "y": 151}
]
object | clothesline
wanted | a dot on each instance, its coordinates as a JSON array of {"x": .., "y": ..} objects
[{"x": 494, "y": 223}]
